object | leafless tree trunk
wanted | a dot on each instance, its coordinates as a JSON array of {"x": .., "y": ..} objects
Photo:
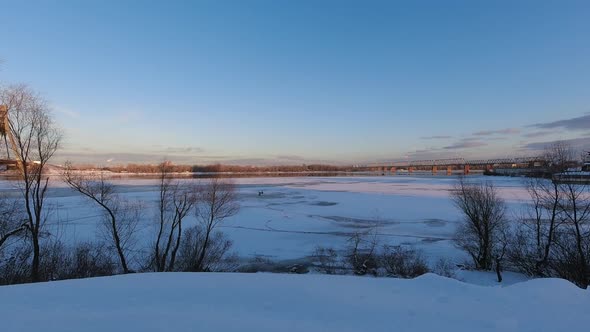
[
  {"x": 480, "y": 232},
  {"x": 120, "y": 218},
  {"x": 575, "y": 237},
  {"x": 535, "y": 238},
  {"x": 217, "y": 201},
  {"x": 540, "y": 224},
  {"x": 174, "y": 203},
  {"x": 34, "y": 138},
  {"x": 554, "y": 241}
]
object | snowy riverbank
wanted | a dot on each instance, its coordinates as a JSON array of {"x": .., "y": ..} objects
[{"x": 274, "y": 302}]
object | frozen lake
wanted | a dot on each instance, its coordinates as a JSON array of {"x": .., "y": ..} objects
[{"x": 296, "y": 214}]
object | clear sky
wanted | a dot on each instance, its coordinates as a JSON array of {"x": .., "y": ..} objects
[{"x": 256, "y": 82}]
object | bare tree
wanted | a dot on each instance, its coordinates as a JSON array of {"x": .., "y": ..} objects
[
  {"x": 217, "y": 201},
  {"x": 175, "y": 201},
  {"x": 553, "y": 237},
  {"x": 573, "y": 242},
  {"x": 34, "y": 139},
  {"x": 120, "y": 217},
  {"x": 535, "y": 235},
  {"x": 559, "y": 156},
  {"x": 481, "y": 232}
]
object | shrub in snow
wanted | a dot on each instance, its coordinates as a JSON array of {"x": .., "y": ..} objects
[
  {"x": 326, "y": 260},
  {"x": 57, "y": 262},
  {"x": 361, "y": 255},
  {"x": 15, "y": 264},
  {"x": 90, "y": 260},
  {"x": 402, "y": 262},
  {"x": 217, "y": 257}
]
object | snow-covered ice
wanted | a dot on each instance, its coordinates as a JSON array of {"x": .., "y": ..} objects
[
  {"x": 274, "y": 302},
  {"x": 296, "y": 214}
]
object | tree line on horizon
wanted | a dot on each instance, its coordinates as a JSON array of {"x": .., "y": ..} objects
[{"x": 221, "y": 168}]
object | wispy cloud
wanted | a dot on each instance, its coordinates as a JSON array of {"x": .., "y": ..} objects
[
  {"x": 465, "y": 144},
  {"x": 576, "y": 143},
  {"x": 537, "y": 134},
  {"x": 182, "y": 150},
  {"x": 290, "y": 157},
  {"x": 578, "y": 123},
  {"x": 437, "y": 137},
  {"x": 507, "y": 131}
]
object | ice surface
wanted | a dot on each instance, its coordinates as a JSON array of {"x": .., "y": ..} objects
[{"x": 296, "y": 214}]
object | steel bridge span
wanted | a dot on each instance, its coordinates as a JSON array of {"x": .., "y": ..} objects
[{"x": 461, "y": 165}]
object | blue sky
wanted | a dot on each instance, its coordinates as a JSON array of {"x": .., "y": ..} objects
[{"x": 256, "y": 82}]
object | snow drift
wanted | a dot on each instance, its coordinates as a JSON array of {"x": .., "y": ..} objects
[{"x": 273, "y": 302}]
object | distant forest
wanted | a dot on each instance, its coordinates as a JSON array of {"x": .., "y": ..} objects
[{"x": 219, "y": 168}]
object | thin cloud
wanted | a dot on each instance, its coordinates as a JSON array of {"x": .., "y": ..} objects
[
  {"x": 290, "y": 157},
  {"x": 507, "y": 131},
  {"x": 537, "y": 134},
  {"x": 578, "y": 123},
  {"x": 576, "y": 143},
  {"x": 182, "y": 150},
  {"x": 465, "y": 144},
  {"x": 437, "y": 137}
]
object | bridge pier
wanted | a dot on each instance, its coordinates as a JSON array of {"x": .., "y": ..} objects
[{"x": 434, "y": 170}]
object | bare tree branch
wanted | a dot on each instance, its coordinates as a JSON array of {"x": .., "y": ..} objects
[
  {"x": 120, "y": 218},
  {"x": 34, "y": 139}
]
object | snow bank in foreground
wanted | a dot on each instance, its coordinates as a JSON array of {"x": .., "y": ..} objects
[{"x": 272, "y": 302}]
